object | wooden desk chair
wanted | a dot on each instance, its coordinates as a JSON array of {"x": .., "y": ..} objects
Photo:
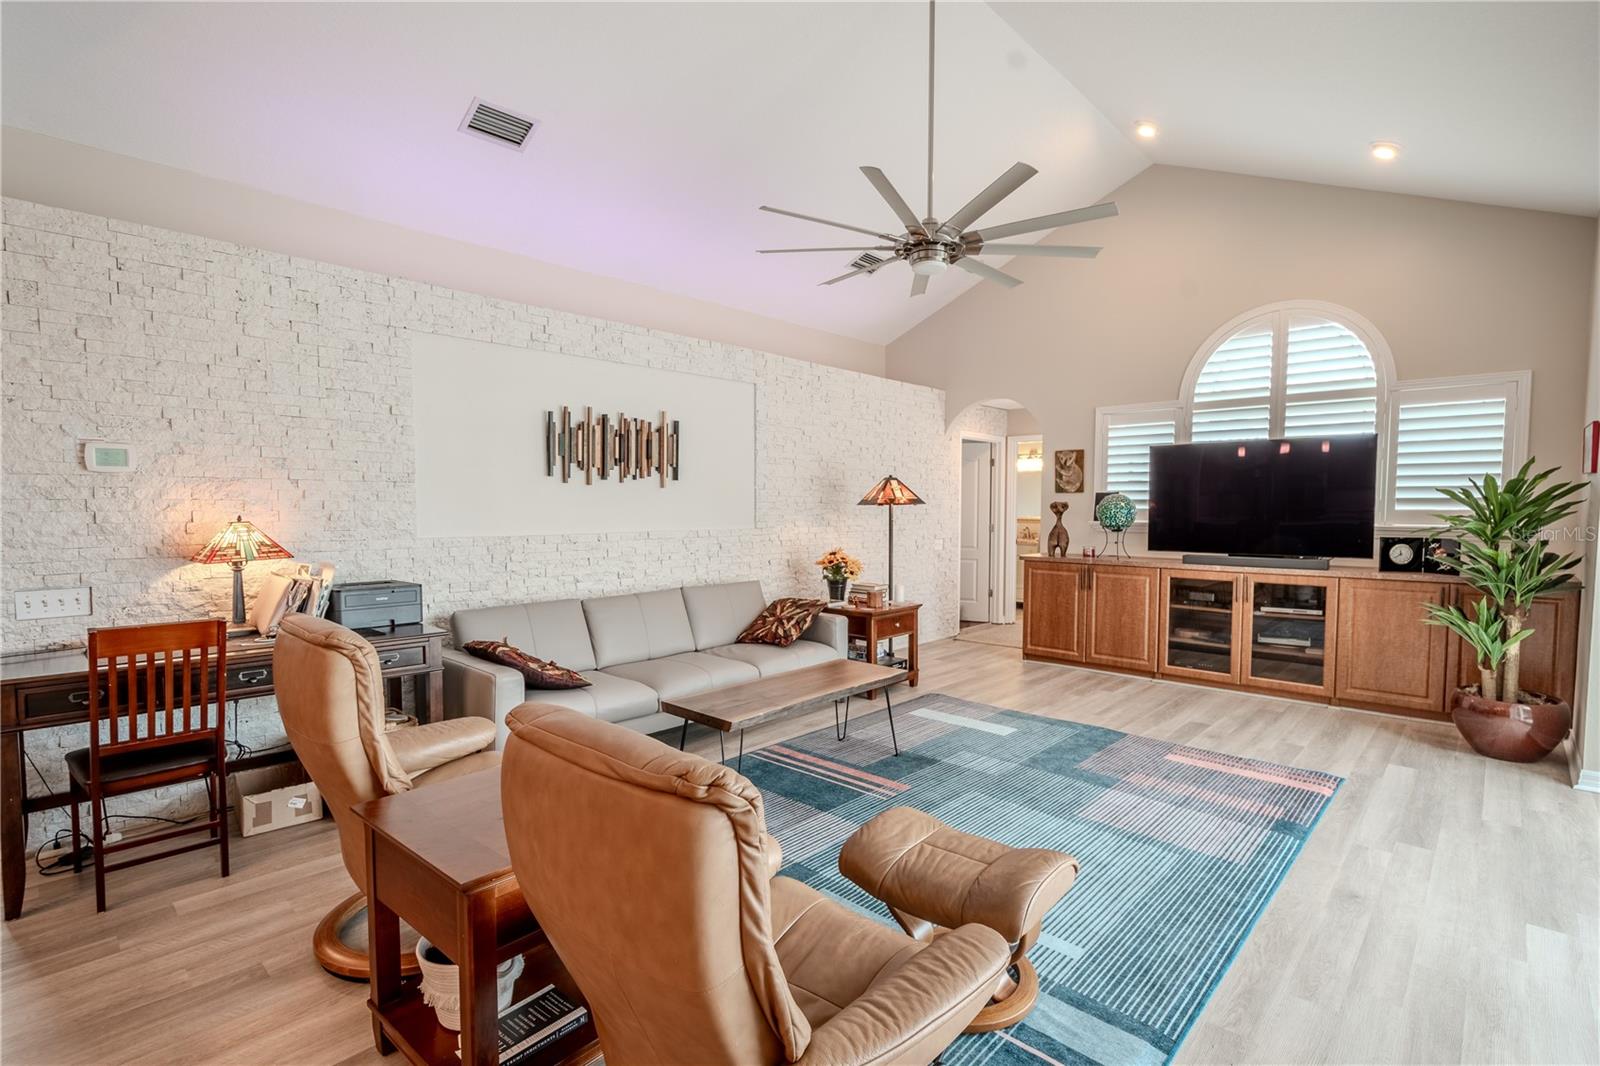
[{"x": 152, "y": 723}]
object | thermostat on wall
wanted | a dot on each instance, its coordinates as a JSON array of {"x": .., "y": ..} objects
[{"x": 108, "y": 457}]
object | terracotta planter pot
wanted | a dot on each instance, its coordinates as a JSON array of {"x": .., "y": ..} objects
[{"x": 1515, "y": 732}]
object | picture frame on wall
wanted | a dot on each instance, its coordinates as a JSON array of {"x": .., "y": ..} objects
[{"x": 1069, "y": 470}]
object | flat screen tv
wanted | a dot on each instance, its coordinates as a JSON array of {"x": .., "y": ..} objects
[{"x": 1303, "y": 497}]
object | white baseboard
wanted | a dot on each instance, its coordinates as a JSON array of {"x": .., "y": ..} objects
[{"x": 1582, "y": 780}]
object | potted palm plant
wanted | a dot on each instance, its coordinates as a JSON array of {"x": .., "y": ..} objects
[{"x": 1501, "y": 552}]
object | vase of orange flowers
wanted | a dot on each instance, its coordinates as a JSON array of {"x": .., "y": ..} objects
[{"x": 839, "y": 570}]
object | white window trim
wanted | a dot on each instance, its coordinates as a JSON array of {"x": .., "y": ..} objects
[
  {"x": 1515, "y": 385},
  {"x": 1119, "y": 414}
]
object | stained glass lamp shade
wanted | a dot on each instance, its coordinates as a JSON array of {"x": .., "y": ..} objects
[
  {"x": 238, "y": 543},
  {"x": 891, "y": 492}
]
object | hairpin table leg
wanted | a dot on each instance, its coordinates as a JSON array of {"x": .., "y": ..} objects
[
  {"x": 839, "y": 732},
  {"x": 888, "y": 703},
  {"x": 683, "y": 735}
]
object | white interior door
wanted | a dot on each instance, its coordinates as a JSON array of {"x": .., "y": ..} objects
[{"x": 977, "y": 519}]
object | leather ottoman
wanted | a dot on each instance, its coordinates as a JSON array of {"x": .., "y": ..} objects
[{"x": 934, "y": 878}]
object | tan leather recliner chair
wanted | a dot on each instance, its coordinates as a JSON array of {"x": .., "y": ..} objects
[
  {"x": 651, "y": 872},
  {"x": 330, "y": 696}
]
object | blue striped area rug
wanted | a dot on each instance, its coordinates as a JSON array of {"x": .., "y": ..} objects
[{"x": 1181, "y": 850}]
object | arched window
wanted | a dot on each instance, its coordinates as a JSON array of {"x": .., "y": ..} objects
[{"x": 1296, "y": 370}]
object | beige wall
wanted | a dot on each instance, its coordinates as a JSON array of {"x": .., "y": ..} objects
[
  {"x": 58, "y": 173},
  {"x": 1455, "y": 288}
]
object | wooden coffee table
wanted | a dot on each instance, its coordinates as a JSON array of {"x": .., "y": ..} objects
[{"x": 784, "y": 695}]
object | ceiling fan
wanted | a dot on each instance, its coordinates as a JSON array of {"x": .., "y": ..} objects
[{"x": 931, "y": 246}]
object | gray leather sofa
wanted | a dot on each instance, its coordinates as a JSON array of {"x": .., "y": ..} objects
[{"x": 636, "y": 650}]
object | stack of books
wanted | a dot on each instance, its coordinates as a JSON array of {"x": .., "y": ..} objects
[
  {"x": 533, "y": 1024},
  {"x": 868, "y": 594}
]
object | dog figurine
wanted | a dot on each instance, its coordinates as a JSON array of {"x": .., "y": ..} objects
[{"x": 1058, "y": 533}]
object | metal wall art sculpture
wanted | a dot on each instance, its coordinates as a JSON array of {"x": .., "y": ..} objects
[{"x": 596, "y": 446}]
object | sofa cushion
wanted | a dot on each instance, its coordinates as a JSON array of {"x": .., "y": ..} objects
[
  {"x": 686, "y": 674},
  {"x": 631, "y": 628},
  {"x": 771, "y": 660},
  {"x": 555, "y": 630},
  {"x": 719, "y": 613},
  {"x": 608, "y": 698}
]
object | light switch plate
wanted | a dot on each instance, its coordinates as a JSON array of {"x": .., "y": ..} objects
[{"x": 54, "y": 603}]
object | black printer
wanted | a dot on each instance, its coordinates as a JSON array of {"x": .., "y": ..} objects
[{"x": 376, "y": 604}]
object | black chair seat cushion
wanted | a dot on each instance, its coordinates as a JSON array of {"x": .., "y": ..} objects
[{"x": 130, "y": 764}]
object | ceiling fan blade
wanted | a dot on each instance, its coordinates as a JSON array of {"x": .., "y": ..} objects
[
  {"x": 998, "y": 190},
  {"x": 919, "y": 284},
  {"x": 870, "y": 248},
  {"x": 892, "y": 197},
  {"x": 1033, "y": 225},
  {"x": 828, "y": 222},
  {"x": 868, "y": 269},
  {"x": 988, "y": 273},
  {"x": 1059, "y": 251}
]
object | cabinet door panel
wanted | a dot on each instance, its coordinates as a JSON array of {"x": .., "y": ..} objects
[
  {"x": 1549, "y": 657},
  {"x": 1387, "y": 654},
  {"x": 1122, "y": 610},
  {"x": 1199, "y": 626},
  {"x": 1290, "y": 640},
  {"x": 1052, "y": 611}
]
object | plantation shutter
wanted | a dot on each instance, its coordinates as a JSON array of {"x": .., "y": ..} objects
[
  {"x": 1330, "y": 381},
  {"x": 1125, "y": 441},
  {"x": 1238, "y": 372},
  {"x": 1446, "y": 436}
]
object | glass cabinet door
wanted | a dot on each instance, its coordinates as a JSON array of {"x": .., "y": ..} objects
[
  {"x": 1199, "y": 626},
  {"x": 1289, "y": 635}
]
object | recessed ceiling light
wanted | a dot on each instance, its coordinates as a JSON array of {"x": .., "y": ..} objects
[
  {"x": 1145, "y": 129},
  {"x": 1385, "y": 151}
]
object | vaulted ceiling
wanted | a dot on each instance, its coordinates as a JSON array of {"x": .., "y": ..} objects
[{"x": 664, "y": 126}]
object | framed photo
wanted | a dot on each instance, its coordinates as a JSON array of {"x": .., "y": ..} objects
[{"x": 1069, "y": 470}]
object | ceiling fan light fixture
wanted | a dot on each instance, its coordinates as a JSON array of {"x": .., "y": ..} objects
[{"x": 929, "y": 266}]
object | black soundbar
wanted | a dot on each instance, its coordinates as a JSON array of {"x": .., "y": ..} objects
[{"x": 1277, "y": 562}]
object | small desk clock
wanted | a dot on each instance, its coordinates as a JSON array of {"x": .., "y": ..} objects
[{"x": 108, "y": 457}]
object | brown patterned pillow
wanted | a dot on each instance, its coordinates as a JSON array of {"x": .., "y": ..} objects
[
  {"x": 782, "y": 621},
  {"x": 537, "y": 672}
]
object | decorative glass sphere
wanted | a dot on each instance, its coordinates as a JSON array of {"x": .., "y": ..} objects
[{"x": 1115, "y": 512}]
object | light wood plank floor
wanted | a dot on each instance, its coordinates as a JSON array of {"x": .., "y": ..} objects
[{"x": 1445, "y": 910}]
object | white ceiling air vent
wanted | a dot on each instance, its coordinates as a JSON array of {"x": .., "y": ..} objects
[
  {"x": 865, "y": 260},
  {"x": 496, "y": 124}
]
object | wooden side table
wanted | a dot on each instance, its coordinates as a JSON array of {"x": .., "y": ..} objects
[
  {"x": 437, "y": 857},
  {"x": 872, "y": 624}
]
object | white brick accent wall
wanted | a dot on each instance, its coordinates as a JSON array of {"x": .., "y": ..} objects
[{"x": 280, "y": 388}]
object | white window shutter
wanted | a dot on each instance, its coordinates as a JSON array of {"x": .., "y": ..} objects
[
  {"x": 1240, "y": 368},
  {"x": 1324, "y": 356},
  {"x": 1445, "y": 443},
  {"x": 1328, "y": 418},
  {"x": 1126, "y": 437}
]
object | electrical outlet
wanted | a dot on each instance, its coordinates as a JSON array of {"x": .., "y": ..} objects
[{"x": 54, "y": 603}]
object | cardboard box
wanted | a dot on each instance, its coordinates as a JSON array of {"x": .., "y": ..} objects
[{"x": 294, "y": 801}]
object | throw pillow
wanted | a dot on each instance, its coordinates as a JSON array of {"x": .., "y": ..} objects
[
  {"x": 782, "y": 622},
  {"x": 537, "y": 672}
]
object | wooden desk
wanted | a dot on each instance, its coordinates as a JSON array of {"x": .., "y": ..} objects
[
  {"x": 48, "y": 689},
  {"x": 437, "y": 857},
  {"x": 872, "y": 624}
]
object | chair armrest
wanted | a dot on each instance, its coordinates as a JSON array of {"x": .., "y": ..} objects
[
  {"x": 830, "y": 629},
  {"x": 421, "y": 748},
  {"x": 772, "y": 851},
  {"x": 913, "y": 1014},
  {"x": 473, "y": 687}
]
